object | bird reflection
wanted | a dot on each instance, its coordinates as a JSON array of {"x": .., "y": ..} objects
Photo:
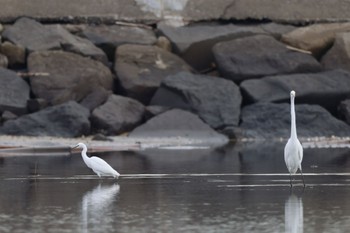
[
  {"x": 97, "y": 205},
  {"x": 294, "y": 214}
]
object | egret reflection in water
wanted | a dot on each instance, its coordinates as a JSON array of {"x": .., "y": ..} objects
[
  {"x": 294, "y": 214},
  {"x": 96, "y": 204}
]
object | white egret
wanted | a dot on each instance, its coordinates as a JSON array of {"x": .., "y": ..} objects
[
  {"x": 98, "y": 165},
  {"x": 293, "y": 151}
]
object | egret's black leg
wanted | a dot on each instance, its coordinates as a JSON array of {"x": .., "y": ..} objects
[
  {"x": 290, "y": 176},
  {"x": 301, "y": 172}
]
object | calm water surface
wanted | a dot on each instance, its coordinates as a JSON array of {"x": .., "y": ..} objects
[{"x": 229, "y": 189}]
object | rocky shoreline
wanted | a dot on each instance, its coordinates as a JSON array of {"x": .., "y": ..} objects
[{"x": 203, "y": 80}]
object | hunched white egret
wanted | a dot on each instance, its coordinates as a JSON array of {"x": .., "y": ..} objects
[
  {"x": 98, "y": 165},
  {"x": 293, "y": 151}
]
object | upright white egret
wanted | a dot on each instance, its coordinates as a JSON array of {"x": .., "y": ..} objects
[
  {"x": 98, "y": 165},
  {"x": 293, "y": 151}
]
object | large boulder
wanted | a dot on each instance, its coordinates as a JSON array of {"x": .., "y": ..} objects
[
  {"x": 178, "y": 123},
  {"x": 194, "y": 42},
  {"x": 338, "y": 57},
  {"x": 3, "y": 61},
  {"x": 16, "y": 54},
  {"x": 118, "y": 115},
  {"x": 140, "y": 69},
  {"x": 14, "y": 92},
  {"x": 216, "y": 101},
  {"x": 109, "y": 37},
  {"x": 258, "y": 56},
  {"x": 272, "y": 121},
  {"x": 32, "y": 35},
  {"x": 316, "y": 38},
  {"x": 66, "y": 120},
  {"x": 75, "y": 44},
  {"x": 69, "y": 76},
  {"x": 344, "y": 110},
  {"x": 325, "y": 88},
  {"x": 96, "y": 98}
]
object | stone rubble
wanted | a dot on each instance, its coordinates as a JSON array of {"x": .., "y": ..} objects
[{"x": 209, "y": 79}]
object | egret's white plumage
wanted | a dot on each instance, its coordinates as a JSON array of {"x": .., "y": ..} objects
[
  {"x": 293, "y": 151},
  {"x": 98, "y": 165}
]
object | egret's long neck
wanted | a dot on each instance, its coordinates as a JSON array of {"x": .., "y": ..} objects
[
  {"x": 83, "y": 154},
  {"x": 293, "y": 131}
]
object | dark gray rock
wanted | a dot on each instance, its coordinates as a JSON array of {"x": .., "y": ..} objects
[
  {"x": 15, "y": 54},
  {"x": 66, "y": 120},
  {"x": 32, "y": 35},
  {"x": 35, "y": 105},
  {"x": 14, "y": 92},
  {"x": 109, "y": 37},
  {"x": 325, "y": 88},
  {"x": 70, "y": 76},
  {"x": 154, "y": 110},
  {"x": 118, "y": 115},
  {"x": 75, "y": 44},
  {"x": 338, "y": 57},
  {"x": 217, "y": 101},
  {"x": 258, "y": 56},
  {"x": 272, "y": 121},
  {"x": 7, "y": 115},
  {"x": 3, "y": 61},
  {"x": 95, "y": 98},
  {"x": 140, "y": 69},
  {"x": 344, "y": 110},
  {"x": 194, "y": 42},
  {"x": 177, "y": 123}
]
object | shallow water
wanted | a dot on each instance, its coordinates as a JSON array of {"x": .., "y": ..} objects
[{"x": 230, "y": 189}]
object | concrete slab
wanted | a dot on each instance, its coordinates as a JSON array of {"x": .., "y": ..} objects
[{"x": 178, "y": 12}]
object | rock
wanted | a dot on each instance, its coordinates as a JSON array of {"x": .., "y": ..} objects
[
  {"x": 75, "y": 44},
  {"x": 194, "y": 43},
  {"x": 3, "y": 61},
  {"x": 95, "y": 98},
  {"x": 140, "y": 69},
  {"x": 70, "y": 76},
  {"x": 109, "y": 38},
  {"x": 217, "y": 101},
  {"x": 316, "y": 38},
  {"x": 177, "y": 123},
  {"x": 35, "y": 105},
  {"x": 344, "y": 110},
  {"x": 7, "y": 115},
  {"x": 259, "y": 56},
  {"x": 66, "y": 120},
  {"x": 272, "y": 121},
  {"x": 164, "y": 43},
  {"x": 15, "y": 54},
  {"x": 32, "y": 35},
  {"x": 118, "y": 115},
  {"x": 154, "y": 110},
  {"x": 276, "y": 30},
  {"x": 338, "y": 57},
  {"x": 325, "y": 88},
  {"x": 14, "y": 92},
  {"x": 1, "y": 28}
]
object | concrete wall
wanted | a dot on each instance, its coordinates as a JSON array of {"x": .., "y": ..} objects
[{"x": 150, "y": 11}]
